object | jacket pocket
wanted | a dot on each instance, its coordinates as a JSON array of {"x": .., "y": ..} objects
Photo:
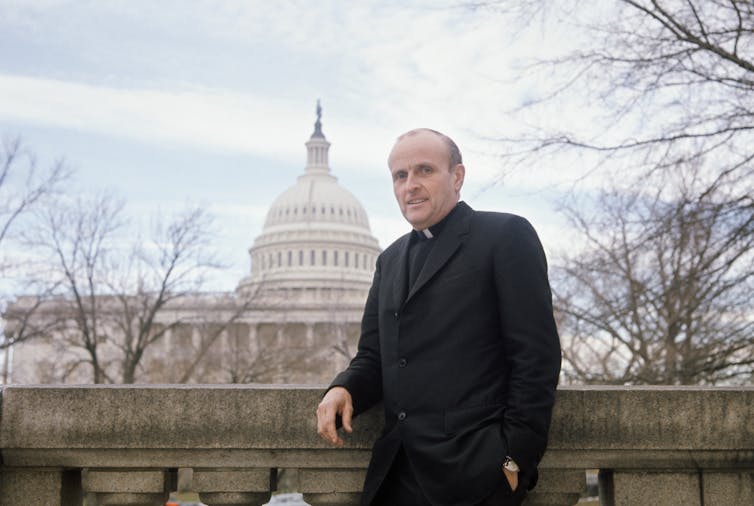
[{"x": 469, "y": 418}]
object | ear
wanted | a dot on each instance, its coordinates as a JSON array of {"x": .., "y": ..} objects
[{"x": 459, "y": 172}]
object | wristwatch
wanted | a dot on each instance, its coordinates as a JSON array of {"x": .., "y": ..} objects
[{"x": 510, "y": 465}]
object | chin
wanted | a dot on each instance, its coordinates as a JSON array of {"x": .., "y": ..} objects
[
  {"x": 417, "y": 224},
  {"x": 416, "y": 217}
]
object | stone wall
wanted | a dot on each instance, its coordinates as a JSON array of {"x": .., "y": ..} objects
[{"x": 120, "y": 445}]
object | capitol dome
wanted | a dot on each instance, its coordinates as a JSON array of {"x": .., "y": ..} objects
[{"x": 316, "y": 246}]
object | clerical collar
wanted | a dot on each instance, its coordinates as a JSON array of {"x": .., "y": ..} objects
[{"x": 434, "y": 230}]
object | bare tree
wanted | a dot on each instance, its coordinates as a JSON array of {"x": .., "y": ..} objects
[
  {"x": 661, "y": 292},
  {"x": 23, "y": 187},
  {"x": 661, "y": 93},
  {"x": 174, "y": 265},
  {"x": 96, "y": 296},
  {"x": 115, "y": 294},
  {"x": 75, "y": 245},
  {"x": 664, "y": 83},
  {"x": 663, "y": 79},
  {"x": 651, "y": 84}
]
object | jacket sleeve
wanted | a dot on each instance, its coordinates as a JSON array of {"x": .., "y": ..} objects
[
  {"x": 530, "y": 339},
  {"x": 363, "y": 377}
]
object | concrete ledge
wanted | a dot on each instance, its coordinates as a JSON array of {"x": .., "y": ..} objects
[
  {"x": 282, "y": 417},
  {"x": 122, "y": 441},
  {"x": 166, "y": 417},
  {"x": 648, "y": 418}
]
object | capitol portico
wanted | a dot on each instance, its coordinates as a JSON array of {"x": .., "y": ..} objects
[{"x": 295, "y": 318}]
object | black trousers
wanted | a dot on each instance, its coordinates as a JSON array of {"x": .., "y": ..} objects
[{"x": 400, "y": 488}]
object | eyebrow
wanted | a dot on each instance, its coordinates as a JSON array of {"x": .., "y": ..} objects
[{"x": 416, "y": 165}]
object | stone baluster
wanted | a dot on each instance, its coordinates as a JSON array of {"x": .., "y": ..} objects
[
  {"x": 732, "y": 486},
  {"x": 126, "y": 487},
  {"x": 48, "y": 486},
  {"x": 234, "y": 487},
  {"x": 557, "y": 487},
  {"x": 678, "y": 487},
  {"x": 331, "y": 487}
]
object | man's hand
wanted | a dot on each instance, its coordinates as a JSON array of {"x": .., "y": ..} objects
[
  {"x": 337, "y": 401},
  {"x": 512, "y": 478}
]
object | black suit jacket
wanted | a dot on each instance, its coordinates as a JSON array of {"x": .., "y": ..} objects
[{"x": 466, "y": 361}]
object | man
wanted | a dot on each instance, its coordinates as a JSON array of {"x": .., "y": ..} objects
[{"x": 458, "y": 341}]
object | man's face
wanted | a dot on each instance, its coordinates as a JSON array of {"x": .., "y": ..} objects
[{"x": 426, "y": 188}]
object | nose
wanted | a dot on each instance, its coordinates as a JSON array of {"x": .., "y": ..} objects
[{"x": 412, "y": 182}]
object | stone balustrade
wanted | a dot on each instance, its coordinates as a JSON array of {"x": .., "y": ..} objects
[{"x": 132, "y": 445}]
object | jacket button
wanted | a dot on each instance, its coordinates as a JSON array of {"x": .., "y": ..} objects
[
  {"x": 402, "y": 415},
  {"x": 402, "y": 362},
  {"x": 396, "y": 315}
]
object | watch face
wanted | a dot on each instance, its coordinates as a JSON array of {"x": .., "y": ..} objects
[{"x": 510, "y": 465}]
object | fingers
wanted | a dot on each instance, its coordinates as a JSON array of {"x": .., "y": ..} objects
[
  {"x": 337, "y": 401},
  {"x": 326, "y": 423},
  {"x": 512, "y": 478},
  {"x": 346, "y": 416}
]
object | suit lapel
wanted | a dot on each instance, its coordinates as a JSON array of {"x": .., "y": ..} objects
[{"x": 447, "y": 244}]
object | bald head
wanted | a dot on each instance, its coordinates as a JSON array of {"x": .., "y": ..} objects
[{"x": 454, "y": 154}]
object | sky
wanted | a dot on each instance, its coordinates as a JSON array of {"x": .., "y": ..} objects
[{"x": 175, "y": 103}]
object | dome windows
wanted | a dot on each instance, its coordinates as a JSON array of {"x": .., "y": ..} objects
[{"x": 308, "y": 212}]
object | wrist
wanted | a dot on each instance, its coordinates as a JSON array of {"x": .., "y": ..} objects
[{"x": 510, "y": 465}]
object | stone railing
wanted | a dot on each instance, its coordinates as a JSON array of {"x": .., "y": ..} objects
[{"x": 64, "y": 446}]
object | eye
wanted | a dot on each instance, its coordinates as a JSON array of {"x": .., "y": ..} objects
[
  {"x": 426, "y": 169},
  {"x": 401, "y": 174}
]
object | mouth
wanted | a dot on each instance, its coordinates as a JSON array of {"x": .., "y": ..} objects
[{"x": 414, "y": 202}]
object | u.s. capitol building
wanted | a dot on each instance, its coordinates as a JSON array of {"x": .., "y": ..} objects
[{"x": 295, "y": 318}]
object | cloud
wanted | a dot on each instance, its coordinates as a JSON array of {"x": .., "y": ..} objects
[
  {"x": 206, "y": 119},
  {"x": 381, "y": 68},
  {"x": 242, "y": 77}
]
